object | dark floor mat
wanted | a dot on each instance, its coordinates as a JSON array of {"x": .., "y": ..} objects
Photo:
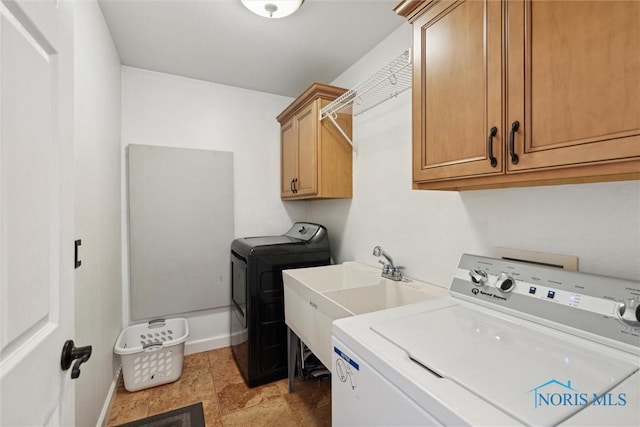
[{"x": 189, "y": 416}]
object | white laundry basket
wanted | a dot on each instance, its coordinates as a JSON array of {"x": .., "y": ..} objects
[{"x": 151, "y": 353}]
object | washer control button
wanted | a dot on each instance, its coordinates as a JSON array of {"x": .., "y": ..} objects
[
  {"x": 629, "y": 312},
  {"x": 478, "y": 277},
  {"x": 505, "y": 283}
]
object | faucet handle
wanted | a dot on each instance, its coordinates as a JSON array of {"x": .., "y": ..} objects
[
  {"x": 385, "y": 266},
  {"x": 397, "y": 272}
]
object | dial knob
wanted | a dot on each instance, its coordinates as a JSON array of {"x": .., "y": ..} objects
[
  {"x": 505, "y": 283},
  {"x": 478, "y": 277},
  {"x": 629, "y": 312}
]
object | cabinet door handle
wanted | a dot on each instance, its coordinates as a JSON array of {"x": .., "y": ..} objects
[
  {"x": 291, "y": 186},
  {"x": 512, "y": 136},
  {"x": 295, "y": 181},
  {"x": 492, "y": 132}
]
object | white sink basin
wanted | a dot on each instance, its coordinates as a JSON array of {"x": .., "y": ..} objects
[
  {"x": 332, "y": 277},
  {"x": 386, "y": 294},
  {"x": 315, "y": 297}
]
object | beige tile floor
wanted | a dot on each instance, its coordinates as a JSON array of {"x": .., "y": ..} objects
[{"x": 213, "y": 378}]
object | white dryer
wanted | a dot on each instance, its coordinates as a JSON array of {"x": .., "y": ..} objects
[{"x": 513, "y": 344}]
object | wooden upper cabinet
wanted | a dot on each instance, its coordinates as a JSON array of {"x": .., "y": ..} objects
[
  {"x": 316, "y": 160},
  {"x": 289, "y": 157},
  {"x": 576, "y": 94},
  {"x": 567, "y": 72},
  {"x": 307, "y": 121},
  {"x": 456, "y": 90}
]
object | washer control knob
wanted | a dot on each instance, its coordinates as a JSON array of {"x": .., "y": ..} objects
[
  {"x": 629, "y": 312},
  {"x": 478, "y": 277},
  {"x": 505, "y": 283}
]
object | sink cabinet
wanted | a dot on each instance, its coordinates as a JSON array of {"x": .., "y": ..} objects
[
  {"x": 310, "y": 324},
  {"x": 316, "y": 160},
  {"x": 516, "y": 93}
]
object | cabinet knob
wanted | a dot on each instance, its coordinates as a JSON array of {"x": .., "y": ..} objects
[{"x": 512, "y": 135}]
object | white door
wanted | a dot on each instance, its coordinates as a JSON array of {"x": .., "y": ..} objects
[{"x": 36, "y": 211}]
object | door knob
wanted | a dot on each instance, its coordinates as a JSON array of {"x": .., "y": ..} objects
[{"x": 70, "y": 353}]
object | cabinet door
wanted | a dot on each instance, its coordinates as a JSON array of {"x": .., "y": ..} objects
[
  {"x": 457, "y": 93},
  {"x": 573, "y": 82},
  {"x": 288, "y": 157},
  {"x": 307, "y": 125}
]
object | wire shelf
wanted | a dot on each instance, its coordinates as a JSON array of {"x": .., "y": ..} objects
[{"x": 388, "y": 82}]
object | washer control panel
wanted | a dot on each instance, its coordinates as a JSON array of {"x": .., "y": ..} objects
[
  {"x": 606, "y": 306},
  {"x": 306, "y": 231}
]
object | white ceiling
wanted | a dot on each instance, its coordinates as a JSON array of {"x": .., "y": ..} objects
[{"x": 223, "y": 42}]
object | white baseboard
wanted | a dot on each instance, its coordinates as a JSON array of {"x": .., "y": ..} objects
[
  {"x": 207, "y": 344},
  {"x": 108, "y": 403}
]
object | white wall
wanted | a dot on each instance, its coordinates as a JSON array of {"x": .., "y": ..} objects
[
  {"x": 425, "y": 230},
  {"x": 428, "y": 230},
  {"x": 98, "y": 281},
  {"x": 166, "y": 110}
]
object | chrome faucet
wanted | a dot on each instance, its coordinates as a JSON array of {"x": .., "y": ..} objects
[{"x": 389, "y": 269}]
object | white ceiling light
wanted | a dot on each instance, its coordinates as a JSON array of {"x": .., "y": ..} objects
[{"x": 273, "y": 8}]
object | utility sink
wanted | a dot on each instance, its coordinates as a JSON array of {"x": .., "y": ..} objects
[
  {"x": 315, "y": 297},
  {"x": 386, "y": 294}
]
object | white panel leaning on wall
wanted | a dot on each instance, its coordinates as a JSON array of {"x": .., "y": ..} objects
[{"x": 180, "y": 204}]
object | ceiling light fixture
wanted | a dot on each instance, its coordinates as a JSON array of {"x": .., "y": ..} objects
[{"x": 273, "y": 8}]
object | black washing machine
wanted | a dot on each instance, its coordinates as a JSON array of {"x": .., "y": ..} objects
[{"x": 258, "y": 330}]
